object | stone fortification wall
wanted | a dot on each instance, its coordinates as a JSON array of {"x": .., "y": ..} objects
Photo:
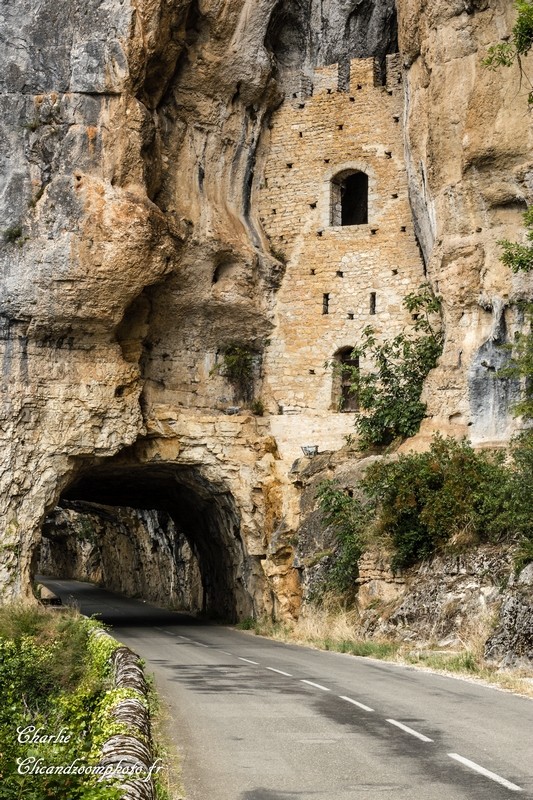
[{"x": 339, "y": 278}]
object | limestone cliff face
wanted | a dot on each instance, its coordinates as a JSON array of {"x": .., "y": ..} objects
[
  {"x": 468, "y": 149},
  {"x": 134, "y": 143}
]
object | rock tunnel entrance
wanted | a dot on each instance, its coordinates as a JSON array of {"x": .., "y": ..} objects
[{"x": 177, "y": 531}]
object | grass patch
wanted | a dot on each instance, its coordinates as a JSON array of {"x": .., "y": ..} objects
[
  {"x": 366, "y": 648},
  {"x": 167, "y": 782},
  {"x": 55, "y": 676},
  {"x": 464, "y": 661},
  {"x": 335, "y": 628},
  {"x": 248, "y": 624}
]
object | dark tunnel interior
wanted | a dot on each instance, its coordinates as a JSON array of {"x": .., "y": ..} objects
[{"x": 205, "y": 513}]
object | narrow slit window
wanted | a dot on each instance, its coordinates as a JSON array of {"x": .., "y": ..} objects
[
  {"x": 325, "y": 303},
  {"x": 372, "y": 302}
]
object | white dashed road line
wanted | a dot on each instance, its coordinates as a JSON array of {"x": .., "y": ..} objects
[
  {"x": 356, "y": 703},
  {"x": 464, "y": 761},
  {"x": 316, "y": 685},
  {"x": 410, "y": 730},
  {"x": 487, "y": 773},
  {"x": 280, "y": 672}
]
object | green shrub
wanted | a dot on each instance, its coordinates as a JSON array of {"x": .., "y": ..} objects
[
  {"x": 237, "y": 367},
  {"x": 348, "y": 517},
  {"x": 257, "y": 407},
  {"x": 54, "y": 675},
  {"x": 447, "y": 498},
  {"x": 425, "y": 500}
]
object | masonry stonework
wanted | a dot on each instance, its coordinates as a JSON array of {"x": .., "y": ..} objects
[{"x": 339, "y": 278}]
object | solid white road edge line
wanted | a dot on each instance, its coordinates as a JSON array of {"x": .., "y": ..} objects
[
  {"x": 248, "y": 661},
  {"x": 280, "y": 672},
  {"x": 316, "y": 685},
  {"x": 184, "y": 637},
  {"x": 410, "y": 730},
  {"x": 356, "y": 703},
  {"x": 487, "y": 773},
  {"x": 201, "y": 644}
]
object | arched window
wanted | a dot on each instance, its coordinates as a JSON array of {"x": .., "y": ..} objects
[
  {"x": 345, "y": 369},
  {"x": 349, "y": 198}
]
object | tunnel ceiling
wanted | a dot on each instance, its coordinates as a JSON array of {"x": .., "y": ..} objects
[{"x": 163, "y": 487}]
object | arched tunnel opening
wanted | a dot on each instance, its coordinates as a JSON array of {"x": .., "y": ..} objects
[{"x": 161, "y": 532}]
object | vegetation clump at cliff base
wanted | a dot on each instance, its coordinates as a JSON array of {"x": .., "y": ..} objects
[{"x": 447, "y": 499}]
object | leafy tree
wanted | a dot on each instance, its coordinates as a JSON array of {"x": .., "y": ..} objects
[
  {"x": 505, "y": 54},
  {"x": 519, "y": 257},
  {"x": 521, "y": 366},
  {"x": 389, "y": 394}
]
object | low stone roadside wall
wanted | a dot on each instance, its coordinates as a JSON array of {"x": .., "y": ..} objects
[{"x": 131, "y": 753}]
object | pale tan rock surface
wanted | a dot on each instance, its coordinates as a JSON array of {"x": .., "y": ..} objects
[{"x": 468, "y": 147}]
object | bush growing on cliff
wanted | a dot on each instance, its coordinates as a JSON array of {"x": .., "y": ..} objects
[
  {"x": 347, "y": 516},
  {"x": 389, "y": 394},
  {"x": 519, "y": 257},
  {"x": 238, "y": 366},
  {"x": 448, "y": 498},
  {"x": 505, "y": 54}
]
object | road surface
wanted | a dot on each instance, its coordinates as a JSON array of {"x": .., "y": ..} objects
[{"x": 256, "y": 719}]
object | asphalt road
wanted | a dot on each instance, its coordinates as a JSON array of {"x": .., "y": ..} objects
[{"x": 261, "y": 720}]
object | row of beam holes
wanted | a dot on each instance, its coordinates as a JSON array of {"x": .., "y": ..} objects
[
  {"x": 352, "y": 99},
  {"x": 340, "y": 273},
  {"x": 388, "y": 154},
  {"x": 373, "y": 231},
  {"x": 395, "y": 117},
  {"x": 371, "y": 310},
  {"x": 394, "y": 195}
]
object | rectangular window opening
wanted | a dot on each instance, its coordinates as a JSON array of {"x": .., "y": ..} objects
[
  {"x": 325, "y": 303},
  {"x": 372, "y": 302}
]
